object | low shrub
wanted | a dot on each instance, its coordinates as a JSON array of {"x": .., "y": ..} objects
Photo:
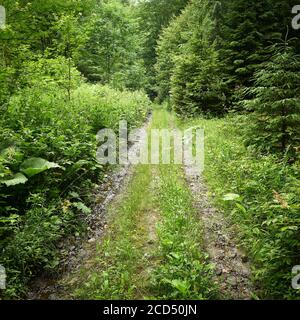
[{"x": 48, "y": 166}]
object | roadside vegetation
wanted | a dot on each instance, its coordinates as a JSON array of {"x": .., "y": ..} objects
[
  {"x": 261, "y": 198},
  {"x": 242, "y": 58},
  {"x": 48, "y": 167},
  {"x": 50, "y": 116},
  {"x": 70, "y": 68}
]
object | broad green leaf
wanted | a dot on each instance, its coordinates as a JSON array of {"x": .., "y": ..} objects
[
  {"x": 180, "y": 285},
  {"x": 35, "y": 166},
  {"x": 231, "y": 197},
  {"x": 18, "y": 178}
]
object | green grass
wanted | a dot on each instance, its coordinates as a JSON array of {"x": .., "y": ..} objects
[
  {"x": 267, "y": 213},
  {"x": 131, "y": 263},
  {"x": 184, "y": 271},
  {"x": 114, "y": 270}
]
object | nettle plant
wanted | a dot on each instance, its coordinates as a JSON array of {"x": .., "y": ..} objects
[
  {"x": 15, "y": 171},
  {"x": 28, "y": 169}
]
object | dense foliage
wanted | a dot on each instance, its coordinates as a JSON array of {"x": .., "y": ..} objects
[
  {"x": 39, "y": 206},
  {"x": 275, "y": 106},
  {"x": 71, "y": 67},
  {"x": 154, "y": 15},
  {"x": 261, "y": 196},
  {"x": 223, "y": 55},
  {"x": 112, "y": 53},
  {"x": 243, "y": 56},
  {"x": 188, "y": 64},
  {"x": 49, "y": 120}
]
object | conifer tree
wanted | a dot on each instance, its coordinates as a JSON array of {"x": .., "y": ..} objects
[
  {"x": 155, "y": 15},
  {"x": 248, "y": 29},
  {"x": 275, "y": 121},
  {"x": 190, "y": 72}
]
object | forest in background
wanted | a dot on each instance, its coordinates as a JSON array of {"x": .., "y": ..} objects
[{"x": 70, "y": 68}]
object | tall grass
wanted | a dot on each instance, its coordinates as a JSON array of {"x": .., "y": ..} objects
[
  {"x": 267, "y": 211},
  {"x": 40, "y": 122}
]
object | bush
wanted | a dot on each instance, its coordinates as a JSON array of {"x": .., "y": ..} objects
[{"x": 47, "y": 165}]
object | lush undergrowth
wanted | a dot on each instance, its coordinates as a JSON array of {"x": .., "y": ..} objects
[
  {"x": 48, "y": 167},
  {"x": 261, "y": 196}
]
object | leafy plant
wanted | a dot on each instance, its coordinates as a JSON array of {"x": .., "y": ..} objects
[
  {"x": 34, "y": 166},
  {"x": 263, "y": 203},
  {"x": 14, "y": 180},
  {"x": 30, "y": 184}
]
